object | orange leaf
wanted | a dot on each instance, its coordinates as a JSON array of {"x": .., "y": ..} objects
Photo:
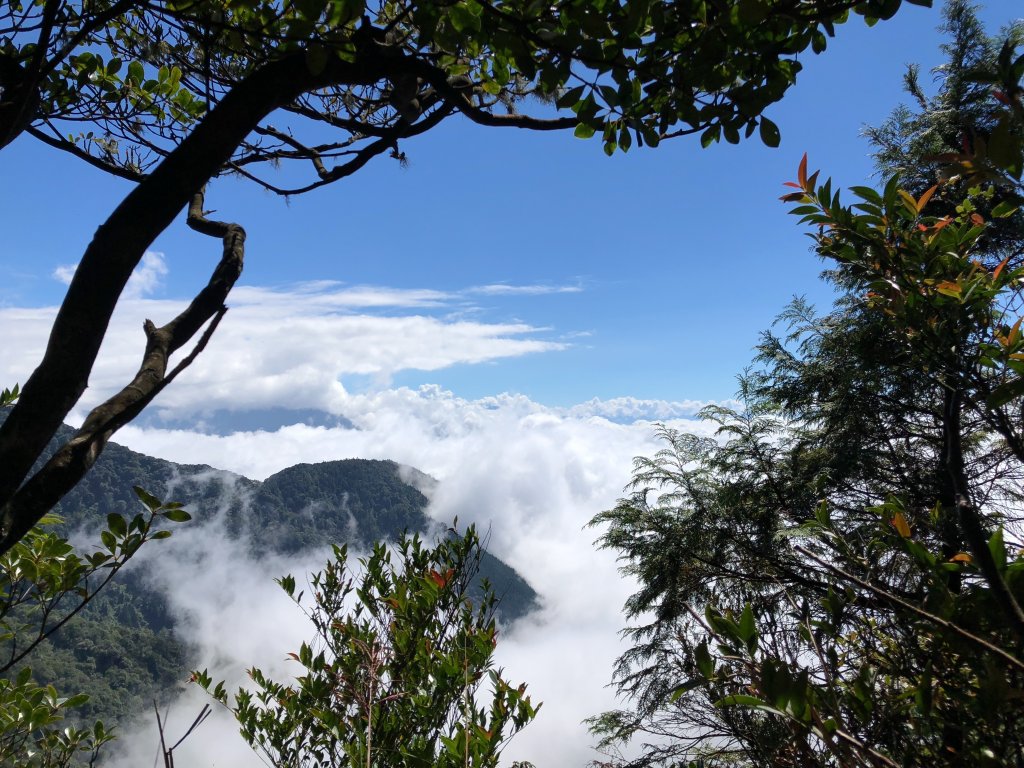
[
  {"x": 977, "y": 220},
  {"x": 801, "y": 172},
  {"x": 923, "y": 200},
  {"x": 961, "y": 557},
  {"x": 997, "y": 270},
  {"x": 441, "y": 579},
  {"x": 899, "y": 522},
  {"x": 1014, "y": 333},
  {"x": 791, "y": 184}
]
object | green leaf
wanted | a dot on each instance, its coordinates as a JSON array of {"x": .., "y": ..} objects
[
  {"x": 1005, "y": 392},
  {"x": 75, "y": 701},
  {"x": 570, "y": 97},
  {"x": 151, "y": 501},
  {"x": 584, "y": 131},
  {"x": 680, "y": 690},
  {"x": 136, "y": 72},
  {"x": 177, "y": 515},
  {"x": 743, "y": 700},
  {"x": 463, "y": 19},
  {"x": 1004, "y": 147},
  {"x": 117, "y": 524},
  {"x": 1004, "y": 210},
  {"x": 108, "y": 540},
  {"x": 748, "y": 629},
  {"x": 770, "y": 133},
  {"x": 997, "y": 548},
  {"x": 705, "y": 664},
  {"x": 710, "y": 136},
  {"x": 316, "y": 58},
  {"x": 753, "y": 12}
]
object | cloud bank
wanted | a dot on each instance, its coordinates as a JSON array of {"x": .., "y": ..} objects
[
  {"x": 284, "y": 346},
  {"x": 531, "y": 475}
]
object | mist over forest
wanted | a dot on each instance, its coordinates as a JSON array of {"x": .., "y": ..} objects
[{"x": 341, "y": 427}]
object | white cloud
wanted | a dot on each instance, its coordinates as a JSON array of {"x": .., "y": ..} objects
[
  {"x": 144, "y": 280},
  {"x": 147, "y": 277},
  {"x": 64, "y": 273},
  {"x": 333, "y": 295},
  {"x": 323, "y": 296},
  {"x": 279, "y": 346},
  {"x": 504, "y": 289},
  {"x": 533, "y": 476},
  {"x": 631, "y": 408},
  {"x": 235, "y": 617}
]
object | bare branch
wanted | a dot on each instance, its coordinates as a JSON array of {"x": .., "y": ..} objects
[
  {"x": 67, "y": 146},
  {"x": 56, "y": 385},
  {"x": 72, "y": 460},
  {"x": 359, "y": 159}
]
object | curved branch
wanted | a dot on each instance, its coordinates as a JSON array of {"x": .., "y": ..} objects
[
  {"x": 459, "y": 98},
  {"x": 483, "y": 117},
  {"x": 74, "y": 149},
  {"x": 119, "y": 244},
  {"x": 72, "y": 460},
  {"x": 360, "y": 157}
]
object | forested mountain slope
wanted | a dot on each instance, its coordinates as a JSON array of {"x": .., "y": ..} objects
[{"x": 123, "y": 650}]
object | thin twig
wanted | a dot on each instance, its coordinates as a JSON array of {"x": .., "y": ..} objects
[{"x": 931, "y": 617}]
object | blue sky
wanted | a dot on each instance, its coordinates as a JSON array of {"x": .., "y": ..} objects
[
  {"x": 510, "y": 314},
  {"x": 678, "y": 257}
]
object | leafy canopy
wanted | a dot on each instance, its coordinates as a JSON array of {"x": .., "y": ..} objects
[{"x": 122, "y": 83}]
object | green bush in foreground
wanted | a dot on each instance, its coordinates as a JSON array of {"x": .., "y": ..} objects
[{"x": 396, "y": 672}]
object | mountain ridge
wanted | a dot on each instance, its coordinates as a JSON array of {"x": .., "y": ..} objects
[{"x": 123, "y": 649}]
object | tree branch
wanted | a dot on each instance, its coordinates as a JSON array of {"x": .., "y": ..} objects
[
  {"x": 981, "y": 642},
  {"x": 72, "y": 460},
  {"x": 458, "y": 97},
  {"x": 119, "y": 244},
  {"x": 81, "y": 154},
  {"x": 359, "y": 158}
]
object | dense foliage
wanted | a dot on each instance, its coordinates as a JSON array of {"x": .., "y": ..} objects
[
  {"x": 396, "y": 672},
  {"x": 836, "y": 580},
  {"x": 122, "y": 83}
]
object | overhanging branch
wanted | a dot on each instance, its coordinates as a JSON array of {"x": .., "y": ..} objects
[
  {"x": 72, "y": 460},
  {"x": 81, "y": 154},
  {"x": 120, "y": 242}
]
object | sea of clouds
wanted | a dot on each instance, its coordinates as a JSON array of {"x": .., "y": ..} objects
[{"x": 531, "y": 475}]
